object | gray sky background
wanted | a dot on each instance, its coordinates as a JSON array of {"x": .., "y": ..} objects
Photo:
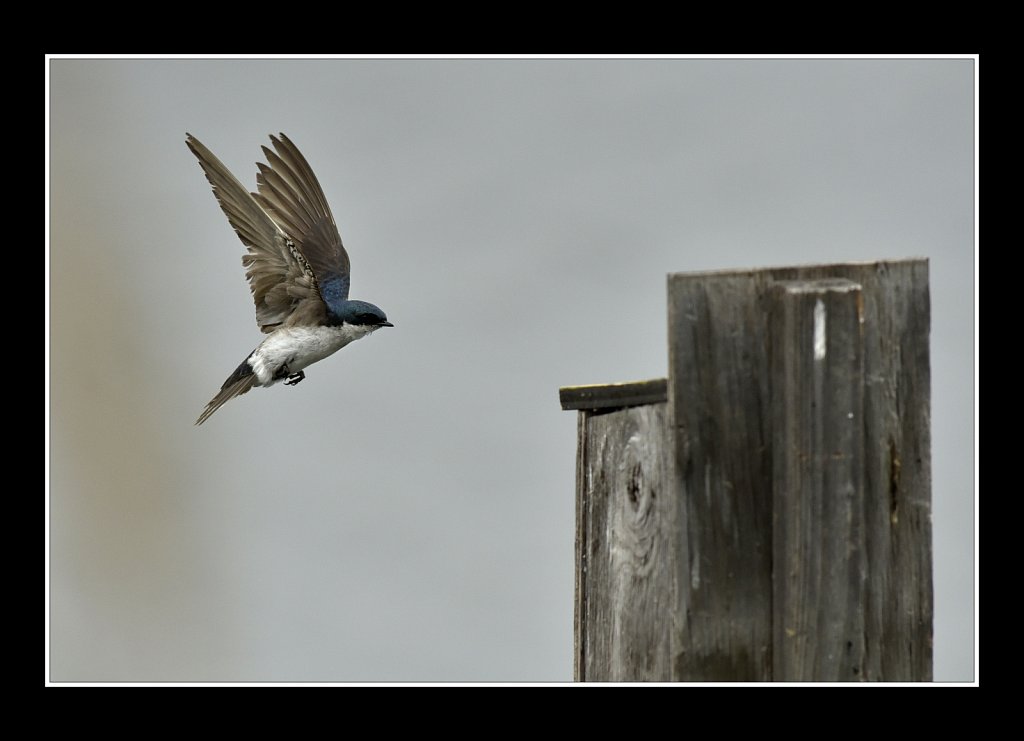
[{"x": 406, "y": 513}]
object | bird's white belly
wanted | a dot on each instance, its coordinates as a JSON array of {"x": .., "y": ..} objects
[{"x": 298, "y": 348}]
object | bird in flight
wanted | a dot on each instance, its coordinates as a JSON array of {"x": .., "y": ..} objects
[{"x": 297, "y": 268}]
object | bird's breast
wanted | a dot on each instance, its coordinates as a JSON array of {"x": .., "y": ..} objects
[{"x": 298, "y": 348}]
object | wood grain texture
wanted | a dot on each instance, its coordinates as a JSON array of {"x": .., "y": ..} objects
[
  {"x": 819, "y": 554},
  {"x": 720, "y": 399},
  {"x": 898, "y": 472},
  {"x": 624, "y": 546}
]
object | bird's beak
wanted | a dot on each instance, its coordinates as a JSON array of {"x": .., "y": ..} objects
[{"x": 387, "y": 324}]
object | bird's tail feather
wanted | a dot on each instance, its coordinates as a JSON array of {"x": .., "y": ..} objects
[{"x": 234, "y": 386}]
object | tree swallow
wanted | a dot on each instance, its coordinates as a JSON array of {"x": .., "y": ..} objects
[{"x": 297, "y": 269}]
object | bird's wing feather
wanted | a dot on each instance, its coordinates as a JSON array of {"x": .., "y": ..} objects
[
  {"x": 290, "y": 193},
  {"x": 279, "y": 280}
]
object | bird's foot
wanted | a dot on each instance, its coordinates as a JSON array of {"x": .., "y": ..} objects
[{"x": 294, "y": 378}]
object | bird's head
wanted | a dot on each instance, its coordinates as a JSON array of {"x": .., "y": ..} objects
[{"x": 362, "y": 314}]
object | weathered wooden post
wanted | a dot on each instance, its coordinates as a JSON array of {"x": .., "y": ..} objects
[
  {"x": 765, "y": 513},
  {"x": 625, "y": 521},
  {"x": 818, "y": 504}
]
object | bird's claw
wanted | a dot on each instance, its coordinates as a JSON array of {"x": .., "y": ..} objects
[{"x": 294, "y": 378}]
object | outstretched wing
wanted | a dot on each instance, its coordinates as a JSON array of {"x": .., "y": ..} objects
[
  {"x": 279, "y": 279},
  {"x": 290, "y": 193}
]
